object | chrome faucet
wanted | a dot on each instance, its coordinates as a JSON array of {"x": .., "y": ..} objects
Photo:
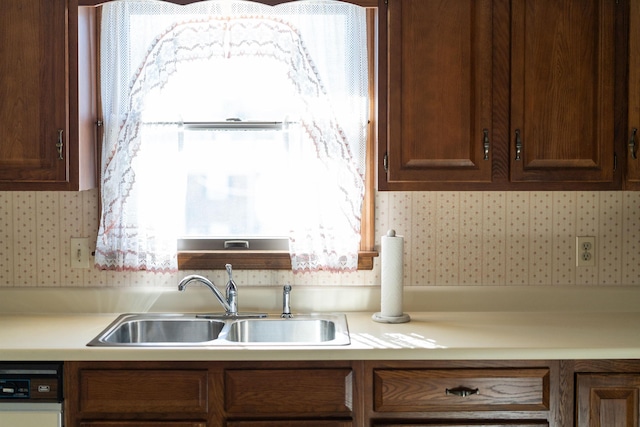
[
  {"x": 286, "y": 302},
  {"x": 230, "y": 303}
]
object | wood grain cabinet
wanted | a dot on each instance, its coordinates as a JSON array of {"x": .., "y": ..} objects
[
  {"x": 435, "y": 106},
  {"x": 563, "y": 90},
  {"x": 39, "y": 119},
  {"x": 200, "y": 394},
  {"x": 277, "y": 395},
  {"x": 607, "y": 400},
  {"x": 497, "y": 94},
  {"x": 457, "y": 394},
  {"x": 106, "y": 394},
  {"x": 632, "y": 180},
  {"x": 142, "y": 424}
]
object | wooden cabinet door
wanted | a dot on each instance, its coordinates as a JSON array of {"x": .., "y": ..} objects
[
  {"x": 33, "y": 91},
  {"x": 607, "y": 400},
  {"x": 562, "y": 77},
  {"x": 435, "y": 93},
  {"x": 633, "y": 153}
]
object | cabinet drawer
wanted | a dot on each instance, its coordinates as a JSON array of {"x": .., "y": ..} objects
[
  {"x": 418, "y": 390},
  {"x": 279, "y": 423},
  {"x": 143, "y": 391},
  {"x": 463, "y": 424},
  {"x": 142, "y": 424},
  {"x": 289, "y": 391}
]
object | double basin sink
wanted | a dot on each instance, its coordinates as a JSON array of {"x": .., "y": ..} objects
[{"x": 178, "y": 329}]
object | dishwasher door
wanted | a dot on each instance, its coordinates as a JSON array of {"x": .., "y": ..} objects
[
  {"x": 28, "y": 414},
  {"x": 31, "y": 394}
]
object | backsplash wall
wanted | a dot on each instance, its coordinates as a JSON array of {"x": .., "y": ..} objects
[{"x": 451, "y": 238}]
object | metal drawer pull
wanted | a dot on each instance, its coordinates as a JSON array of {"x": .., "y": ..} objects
[
  {"x": 632, "y": 144},
  {"x": 462, "y": 391}
]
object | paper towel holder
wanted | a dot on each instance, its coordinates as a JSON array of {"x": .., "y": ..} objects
[{"x": 386, "y": 315}]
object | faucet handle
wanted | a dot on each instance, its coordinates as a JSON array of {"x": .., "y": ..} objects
[
  {"x": 286, "y": 302},
  {"x": 229, "y": 271}
]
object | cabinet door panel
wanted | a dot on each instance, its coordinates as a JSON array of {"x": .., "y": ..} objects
[
  {"x": 33, "y": 90},
  {"x": 299, "y": 392},
  {"x": 122, "y": 391},
  {"x": 562, "y": 112},
  {"x": 633, "y": 152},
  {"x": 438, "y": 89},
  {"x": 298, "y": 423},
  {"x": 607, "y": 400},
  {"x": 142, "y": 424}
]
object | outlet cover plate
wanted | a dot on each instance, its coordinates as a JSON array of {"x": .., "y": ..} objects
[{"x": 79, "y": 252}]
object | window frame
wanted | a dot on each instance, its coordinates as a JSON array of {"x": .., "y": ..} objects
[{"x": 199, "y": 259}]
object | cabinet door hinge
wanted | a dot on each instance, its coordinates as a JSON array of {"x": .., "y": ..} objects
[
  {"x": 385, "y": 161},
  {"x": 615, "y": 162}
]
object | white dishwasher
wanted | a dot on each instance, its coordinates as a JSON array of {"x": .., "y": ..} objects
[{"x": 30, "y": 394}]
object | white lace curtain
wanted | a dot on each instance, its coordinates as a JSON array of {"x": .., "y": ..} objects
[{"x": 141, "y": 174}]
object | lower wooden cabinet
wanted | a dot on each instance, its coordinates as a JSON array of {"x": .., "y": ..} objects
[
  {"x": 142, "y": 424},
  {"x": 443, "y": 390},
  {"x": 506, "y": 393},
  {"x": 462, "y": 394},
  {"x": 290, "y": 393},
  {"x": 467, "y": 424},
  {"x": 607, "y": 400},
  {"x": 202, "y": 394},
  {"x": 284, "y": 423}
]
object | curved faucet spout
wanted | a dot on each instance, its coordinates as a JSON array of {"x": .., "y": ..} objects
[{"x": 196, "y": 278}]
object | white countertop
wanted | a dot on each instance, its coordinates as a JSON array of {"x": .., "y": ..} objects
[{"x": 433, "y": 335}]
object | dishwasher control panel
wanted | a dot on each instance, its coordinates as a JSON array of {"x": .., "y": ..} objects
[
  {"x": 15, "y": 388},
  {"x": 31, "y": 382}
]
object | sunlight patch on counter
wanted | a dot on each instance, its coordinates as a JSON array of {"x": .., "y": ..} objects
[{"x": 395, "y": 340}]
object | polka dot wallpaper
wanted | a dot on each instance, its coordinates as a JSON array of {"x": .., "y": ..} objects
[{"x": 451, "y": 238}]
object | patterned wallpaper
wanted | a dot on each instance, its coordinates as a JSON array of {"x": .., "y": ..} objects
[{"x": 451, "y": 238}]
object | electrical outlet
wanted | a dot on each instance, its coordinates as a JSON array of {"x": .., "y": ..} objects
[
  {"x": 79, "y": 252},
  {"x": 585, "y": 251}
]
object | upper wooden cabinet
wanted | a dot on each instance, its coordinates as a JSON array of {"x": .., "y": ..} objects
[
  {"x": 562, "y": 90},
  {"x": 435, "y": 102},
  {"x": 498, "y": 94},
  {"x": 39, "y": 134},
  {"x": 633, "y": 131}
]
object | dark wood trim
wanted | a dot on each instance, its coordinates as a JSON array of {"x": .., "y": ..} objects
[
  {"x": 252, "y": 260},
  {"x": 364, "y": 3}
]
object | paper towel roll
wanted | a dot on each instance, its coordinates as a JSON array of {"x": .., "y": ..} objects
[{"x": 392, "y": 248}]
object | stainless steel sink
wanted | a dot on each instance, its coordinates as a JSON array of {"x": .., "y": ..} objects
[
  {"x": 156, "y": 330},
  {"x": 159, "y": 330},
  {"x": 299, "y": 330}
]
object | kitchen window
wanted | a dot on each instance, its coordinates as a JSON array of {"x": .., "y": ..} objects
[{"x": 218, "y": 116}]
